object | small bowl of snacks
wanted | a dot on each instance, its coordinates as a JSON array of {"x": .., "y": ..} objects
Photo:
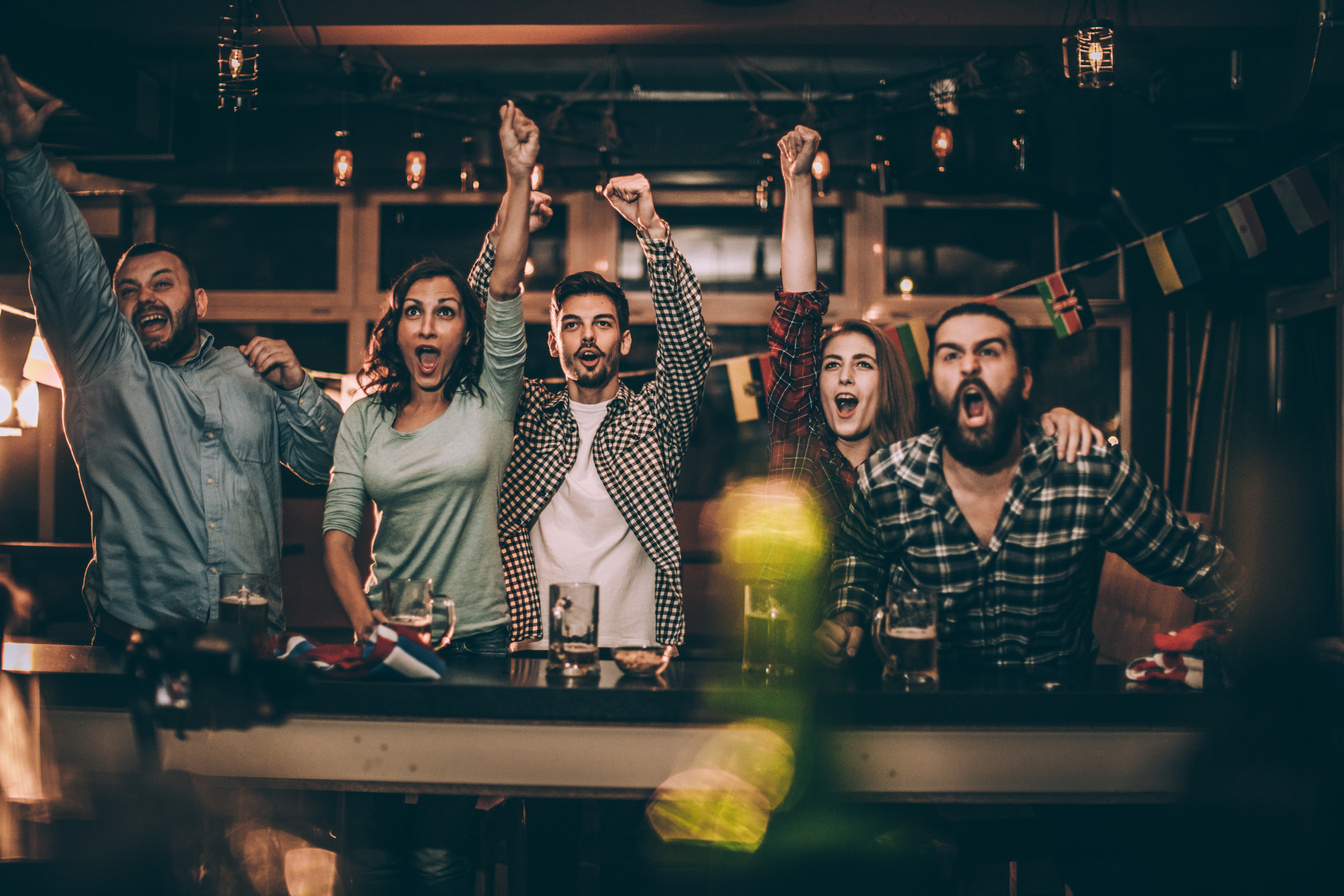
[{"x": 642, "y": 660}]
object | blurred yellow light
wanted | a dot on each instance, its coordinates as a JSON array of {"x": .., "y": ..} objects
[
  {"x": 528, "y": 268},
  {"x": 907, "y": 286},
  {"x": 235, "y": 61},
  {"x": 537, "y": 173}
]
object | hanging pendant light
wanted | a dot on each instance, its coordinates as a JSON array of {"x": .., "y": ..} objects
[
  {"x": 342, "y": 160},
  {"x": 821, "y": 169},
  {"x": 415, "y": 162},
  {"x": 1095, "y": 52},
  {"x": 238, "y": 33}
]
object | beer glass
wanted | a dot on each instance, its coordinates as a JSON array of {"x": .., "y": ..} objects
[
  {"x": 905, "y": 636},
  {"x": 407, "y": 606},
  {"x": 243, "y": 601},
  {"x": 768, "y": 632},
  {"x": 573, "y": 635}
]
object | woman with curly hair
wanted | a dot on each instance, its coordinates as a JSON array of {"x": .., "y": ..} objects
[{"x": 430, "y": 441}]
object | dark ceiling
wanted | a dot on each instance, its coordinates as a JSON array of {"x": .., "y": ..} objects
[{"x": 693, "y": 91}]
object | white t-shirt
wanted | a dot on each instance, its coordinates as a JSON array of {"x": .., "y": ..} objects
[{"x": 581, "y": 536}]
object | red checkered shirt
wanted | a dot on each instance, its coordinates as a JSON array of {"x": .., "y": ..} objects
[
  {"x": 637, "y": 449},
  {"x": 802, "y": 448}
]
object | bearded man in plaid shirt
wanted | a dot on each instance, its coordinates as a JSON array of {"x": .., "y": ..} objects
[
  {"x": 587, "y": 495},
  {"x": 981, "y": 510}
]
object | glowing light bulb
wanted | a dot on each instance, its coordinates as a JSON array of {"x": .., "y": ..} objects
[
  {"x": 415, "y": 169},
  {"x": 821, "y": 165},
  {"x": 27, "y": 404},
  {"x": 907, "y": 286},
  {"x": 342, "y": 161},
  {"x": 235, "y": 61},
  {"x": 942, "y": 145},
  {"x": 537, "y": 173}
]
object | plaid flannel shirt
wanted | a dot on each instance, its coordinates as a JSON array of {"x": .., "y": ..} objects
[
  {"x": 637, "y": 450},
  {"x": 1028, "y": 596},
  {"x": 802, "y": 448}
]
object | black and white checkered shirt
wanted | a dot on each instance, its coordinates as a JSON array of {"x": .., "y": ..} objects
[
  {"x": 1028, "y": 596},
  {"x": 637, "y": 449}
]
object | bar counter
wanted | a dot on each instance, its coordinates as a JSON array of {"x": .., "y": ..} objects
[{"x": 1081, "y": 734}]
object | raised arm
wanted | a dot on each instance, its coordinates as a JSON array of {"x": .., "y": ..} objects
[
  {"x": 70, "y": 283},
  {"x": 683, "y": 351},
  {"x": 798, "y": 243},
  {"x": 800, "y": 305},
  {"x": 520, "y": 140},
  {"x": 20, "y": 124}
]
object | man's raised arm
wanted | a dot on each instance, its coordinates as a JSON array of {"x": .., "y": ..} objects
[
  {"x": 69, "y": 281},
  {"x": 684, "y": 349}
]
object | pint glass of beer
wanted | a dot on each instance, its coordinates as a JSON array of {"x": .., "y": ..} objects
[{"x": 905, "y": 635}]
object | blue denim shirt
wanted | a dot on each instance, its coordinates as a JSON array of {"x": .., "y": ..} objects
[{"x": 179, "y": 463}]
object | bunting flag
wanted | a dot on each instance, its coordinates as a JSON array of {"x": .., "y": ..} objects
[
  {"x": 1242, "y": 228},
  {"x": 1072, "y": 320},
  {"x": 1173, "y": 262},
  {"x": 39, "y": 367},
  {"x": 1301, "y": 199},
  {"x": 912, "y": 339},
  {"x": 744, "y": 383}
]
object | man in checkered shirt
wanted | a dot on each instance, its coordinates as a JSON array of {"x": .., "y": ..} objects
[
  {"x": 587, "y": 495},
  {"x": 981, "y": 510}
]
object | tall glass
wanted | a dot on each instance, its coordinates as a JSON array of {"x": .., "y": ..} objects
[
  {"x": 768, "y": 632},
  {"x": 243, "y": 601},
  {"x": 573, "y": 634},
  {"x": 905, "y": 635}
]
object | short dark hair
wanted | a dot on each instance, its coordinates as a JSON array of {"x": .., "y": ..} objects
[
  {"x": 589, "y": 283},
  {"x": 985, "y": 310},
  {"x": 149, "y": 249},
  {"x": 385, "y": 372}
]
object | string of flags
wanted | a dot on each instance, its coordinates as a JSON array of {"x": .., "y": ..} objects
[{"x": 1173, "y": 261}]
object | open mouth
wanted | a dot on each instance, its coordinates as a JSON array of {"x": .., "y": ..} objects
[
  {"x": 426, "y": 358},
  {"x": 151, "y": 320},
  {"x": 589, "y": 355},
  {"x": 846, "y": 404},
  {"x": 974, "y": 406}
]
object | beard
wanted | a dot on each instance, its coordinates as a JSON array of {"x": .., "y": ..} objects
[
  {"x": 181, "y": 336},
  {"x": 596, "y": 378},
  {"x": 988, "y": 444}
]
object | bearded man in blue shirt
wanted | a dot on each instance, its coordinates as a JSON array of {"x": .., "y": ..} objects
[{"x": 178, "y": 443}]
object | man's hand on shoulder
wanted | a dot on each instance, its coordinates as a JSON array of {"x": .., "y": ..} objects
[
  {"x": 838, "y": 638},
  {"x": 274, "y": 360},
  {"x": 632, "y": 196},
  {"x": 20, "y": 123}
]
